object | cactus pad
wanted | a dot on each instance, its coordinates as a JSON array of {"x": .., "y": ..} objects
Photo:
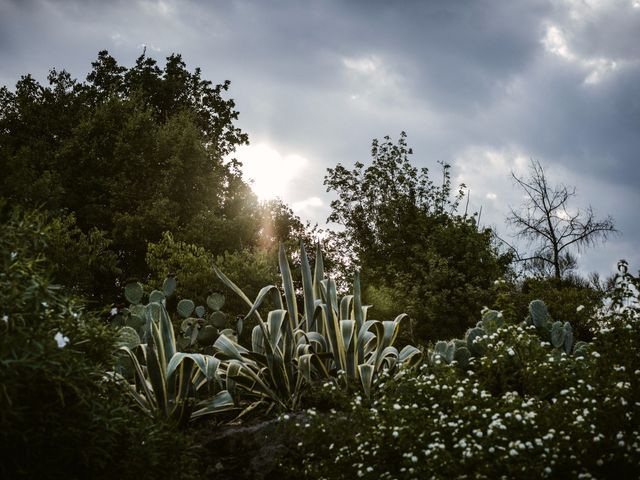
[
  {"x": 169, "y": 286},
  {"x": 156, "y": 296},
  {"x": 133, "y": 292},
  {"x": 127, "y": 337},
  {"x": 218, "y": 319},
  {"x": 185, "y": 307},
  {"x": 557, "y": 334},
  {"x": 215, "y": 301},
  {"x": 207, "y": 335}
]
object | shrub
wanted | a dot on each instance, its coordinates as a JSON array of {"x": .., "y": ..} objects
[
  {"x": 59, "y": 416},
  {"x": 524, "y": 409}
]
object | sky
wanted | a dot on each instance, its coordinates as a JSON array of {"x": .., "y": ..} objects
[{"x": 482, "y": 85}]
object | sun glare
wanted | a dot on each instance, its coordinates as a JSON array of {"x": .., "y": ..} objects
[{"x": 269, "y": 172}]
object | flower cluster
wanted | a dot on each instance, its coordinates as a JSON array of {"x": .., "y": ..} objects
[{"x": 524, "y": 409}]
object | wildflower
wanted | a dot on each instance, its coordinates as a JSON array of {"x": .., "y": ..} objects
[
  {"x": 5, "y": 318},
  {"x": 580, "y": 308},
  {"x": 114, "y": 311},
  {"x": 61, "y": 340}
]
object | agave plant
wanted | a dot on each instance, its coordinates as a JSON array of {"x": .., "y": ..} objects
[
  {"x": 292, "y": 348},
  {"x": 173, "y": 385}
]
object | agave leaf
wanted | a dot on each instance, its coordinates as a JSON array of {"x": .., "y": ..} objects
[
  {"x": 222, "y": 402},
  {"x": 233, "y": 287},
  {"x": 262, "y": 295},
  {"x": 366, "y": 373},
  {"x": 229, "y": 349},
  {"x": 388, "y": 358},
  {"x": 332, "y": 328},
  {"x": 318, "y": 273},
  {"x": 275, "y": 321},
  {"x": 147, "y": 393},
  {"x": 289, "y": 290},
  {"x": 317, "y": 341},
  {"x": 157, "y": 377},
  {"x": 307, "y": 290},
  {"x": 347, "y": 330},
  {"x": 345, "y": 307},
  {"x": 410, "y": 356},
  {"x": 257, "y": 339}
]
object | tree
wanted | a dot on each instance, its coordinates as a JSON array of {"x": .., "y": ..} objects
[
  {"x": 415, "y": 252},
  {"x": 551, "y": 227},
  {"x": 131, "y": 153}
]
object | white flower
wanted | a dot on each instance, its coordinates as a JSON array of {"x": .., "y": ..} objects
[
  {"x": 61, "y": 339},
  {"x": 5, "y": 318},
  {"x": 580, "y": 308},
  {"x": 114, "y": 311}
]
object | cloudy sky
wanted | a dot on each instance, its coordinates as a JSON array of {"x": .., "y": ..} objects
[{"x": 484, "y": 85}]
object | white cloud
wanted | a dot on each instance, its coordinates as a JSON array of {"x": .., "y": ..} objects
[
  {"x": 363, "y": 65},
  {"x": 307, "y": 207},
  {"x": 271, "y": 173},
  {"x": 555, "y": 42}
]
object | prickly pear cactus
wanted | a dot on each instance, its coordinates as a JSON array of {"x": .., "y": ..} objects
[
  {"x": 474, "y": 343},
  {"x": 217, "y": 319},
  {"x": 215, "y": 301},
  {"x": 185, "y": 308},
  {"x": 127, "y": 337},
  {"x": 491, "y": 321},
  {"x": 169, "y": 286},
  {"x": 207, "y": 335},
  {"x": 557, "y": 334},
  {"x": 462, "y": 356},
  {"x": 133, "y": 292},
  {"x": 568, "y": 337},
  {"x": 157, "y": 296},
  {"x": 538, "y": 313}
]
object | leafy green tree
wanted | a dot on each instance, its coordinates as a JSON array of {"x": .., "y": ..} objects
[
  {"x": 131, "y": 152},
  {"x": 409, "y": 240}
]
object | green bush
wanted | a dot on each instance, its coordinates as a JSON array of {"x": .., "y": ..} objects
[
  {"x": 60, "y": 415},
  {"x": 523, "y": 410}
]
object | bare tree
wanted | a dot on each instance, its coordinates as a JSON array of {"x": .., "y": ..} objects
[{"x": 550, "y": 227}]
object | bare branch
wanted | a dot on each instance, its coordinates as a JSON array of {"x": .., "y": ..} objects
[{"x": 544, "y": 219}]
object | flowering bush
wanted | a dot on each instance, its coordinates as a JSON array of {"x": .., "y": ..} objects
[{"x": 522, "y": 410}]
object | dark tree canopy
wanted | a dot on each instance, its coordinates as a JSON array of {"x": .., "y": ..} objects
[
  {"x": 414, "y": 249},
  {"x": 131, "y": 152}
]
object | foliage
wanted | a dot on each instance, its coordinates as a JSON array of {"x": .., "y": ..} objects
[
  {"x": 524, "y": 409},
  {"x": 59, "y": 416},
  {"x": 93, "y": 264},
  {"x": 132, "y": 152},
  {"x": 569, "y": 299},
  {"x": 192, "y": 264},
  {"x": 551, "y": 226},
  {"x": 172, "y": 385},
  {"x": 410, "y": 242},
  {"x": 332, "y": 337}
]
